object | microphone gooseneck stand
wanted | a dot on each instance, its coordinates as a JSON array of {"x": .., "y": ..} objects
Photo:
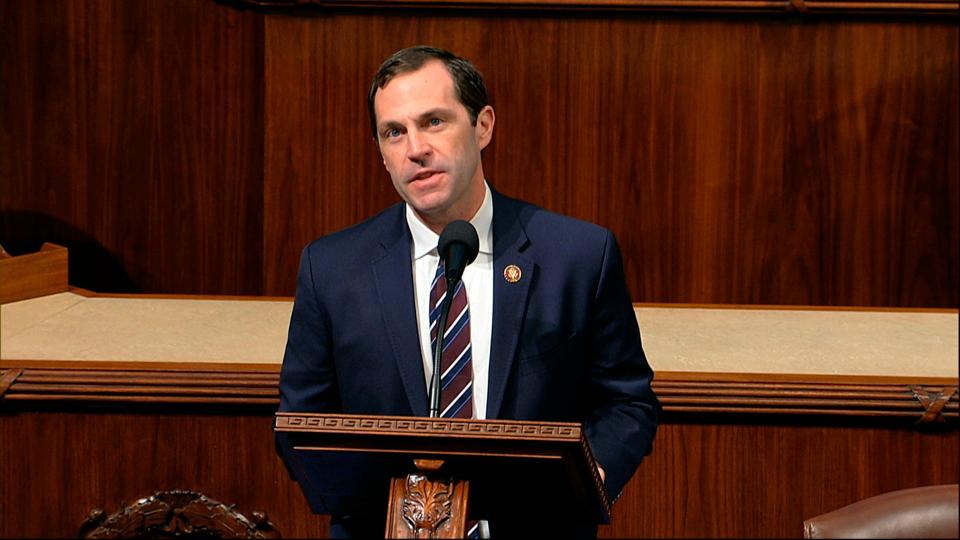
[{"x": 438, "y": 350}]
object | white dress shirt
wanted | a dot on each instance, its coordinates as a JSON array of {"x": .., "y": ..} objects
[{"x": 477, "y": 278}]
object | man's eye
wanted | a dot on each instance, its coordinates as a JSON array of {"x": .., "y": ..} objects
[
  {"x": 391, "y": 133},
  {"x": 435, "y": 121}
]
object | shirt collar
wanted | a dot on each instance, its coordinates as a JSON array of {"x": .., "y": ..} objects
[{"x": 425, "y": 240}]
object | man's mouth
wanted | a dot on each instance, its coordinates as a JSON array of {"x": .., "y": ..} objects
[{"x": 423, "y": 175}]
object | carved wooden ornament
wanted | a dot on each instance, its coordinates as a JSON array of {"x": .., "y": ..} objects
[
  {"x": 177, "y": 514},
  {"x": 422, "y": 507}
]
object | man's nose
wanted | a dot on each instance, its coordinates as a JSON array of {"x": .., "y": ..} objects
[{"x": 418, "y": 147}]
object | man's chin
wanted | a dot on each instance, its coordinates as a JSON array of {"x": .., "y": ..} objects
[
  {"x": 430, "y": 214},
  {"x": 430, "y": 204}
]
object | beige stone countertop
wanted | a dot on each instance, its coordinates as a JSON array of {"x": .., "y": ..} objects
[{"x": 726, "y": 339}]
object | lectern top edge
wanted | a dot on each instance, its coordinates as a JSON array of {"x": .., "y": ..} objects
[{"x": 416, "y": 426}]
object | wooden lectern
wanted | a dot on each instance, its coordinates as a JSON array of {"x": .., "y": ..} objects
[{"x": 483, "y": 467}]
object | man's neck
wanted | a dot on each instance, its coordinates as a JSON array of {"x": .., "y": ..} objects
[
  {"x": 439, "y": 222},
  {"x": 425, "y": 238}
]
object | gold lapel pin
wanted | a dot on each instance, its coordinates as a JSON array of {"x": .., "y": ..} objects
[{"x": 512, "y": 273}]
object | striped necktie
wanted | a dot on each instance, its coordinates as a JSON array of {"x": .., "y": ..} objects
[{"x": 456, "y": 368}]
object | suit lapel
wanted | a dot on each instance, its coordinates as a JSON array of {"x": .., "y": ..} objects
[
  {"x": 509, "y": 299},
  {"x": 393, "y": 275}
]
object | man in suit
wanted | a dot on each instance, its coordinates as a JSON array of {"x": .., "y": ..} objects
[{"x": 544, "y": 323}]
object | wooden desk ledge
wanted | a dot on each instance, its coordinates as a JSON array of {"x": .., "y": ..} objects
[{"x": 728, "y": 360}]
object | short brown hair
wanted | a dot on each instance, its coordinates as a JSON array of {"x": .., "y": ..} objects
[{"x": 467, "y": 80}]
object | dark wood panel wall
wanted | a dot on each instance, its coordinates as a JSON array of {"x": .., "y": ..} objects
[
  {"x": 736, "y": 456},
  {"x": 703, "y": 480},
  {"x": 195, "y": 147},
  {"x": 132, "y": 133}
]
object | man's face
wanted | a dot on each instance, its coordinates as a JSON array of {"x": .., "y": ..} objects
[{"x": 429, "y": 146}]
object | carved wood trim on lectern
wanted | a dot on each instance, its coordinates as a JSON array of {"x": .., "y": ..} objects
[
  {"x": 499, "y": 429},
  {"x": 177, "y": 514},
  {"x": 425, "y": 505}
]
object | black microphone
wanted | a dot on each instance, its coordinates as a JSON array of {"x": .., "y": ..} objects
[{"x": 458, "y": 247}]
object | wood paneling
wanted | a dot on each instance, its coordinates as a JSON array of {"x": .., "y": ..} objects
[
  {"x": 193, "y": 147},
  {"x": 876, "y": 189},
  {"x": 729, "y": 479},
  {"x": 132, "y": 133},
  {"x": 759, "y": 161},
  {"x": 58, "y": 466},
  {"x": 896, "y": 400},
  {"x": 736, "y": 455},
  {"x": 34, "y": 274}
]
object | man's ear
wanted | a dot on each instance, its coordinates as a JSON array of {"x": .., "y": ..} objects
[{"x": 484, "y": 129}]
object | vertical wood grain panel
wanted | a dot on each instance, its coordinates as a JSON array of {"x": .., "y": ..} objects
[
  {"x": 132, "y": 134},
  {"x": 703, "y": 480},
  {"x": 871, "y": 184},
  {"x": 57, "y": 467},
  {"x": 192, "y": 147},
  {"x": 721, "y": 151},
  {"x": 748, "y": 481}
]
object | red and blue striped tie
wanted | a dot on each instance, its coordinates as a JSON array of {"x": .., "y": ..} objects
[{"x": 456, "y": 380}]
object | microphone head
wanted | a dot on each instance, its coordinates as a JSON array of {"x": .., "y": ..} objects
[{"x": 458, "y": 246}]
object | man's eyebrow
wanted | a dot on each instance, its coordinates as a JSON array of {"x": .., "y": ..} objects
[
  {"x": 386, "y": 126},
  {"x": 438, "y": 111}
]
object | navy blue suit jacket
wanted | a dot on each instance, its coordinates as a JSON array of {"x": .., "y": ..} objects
[{"x": 565, "y": 344}]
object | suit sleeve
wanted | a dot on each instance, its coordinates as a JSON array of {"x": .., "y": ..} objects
[
  {"x": 338, "y": 483},
  {"x": 308, "y": 384},
  {"x": 308, "y": 378},
  {"x": 624, "y": 409}
]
